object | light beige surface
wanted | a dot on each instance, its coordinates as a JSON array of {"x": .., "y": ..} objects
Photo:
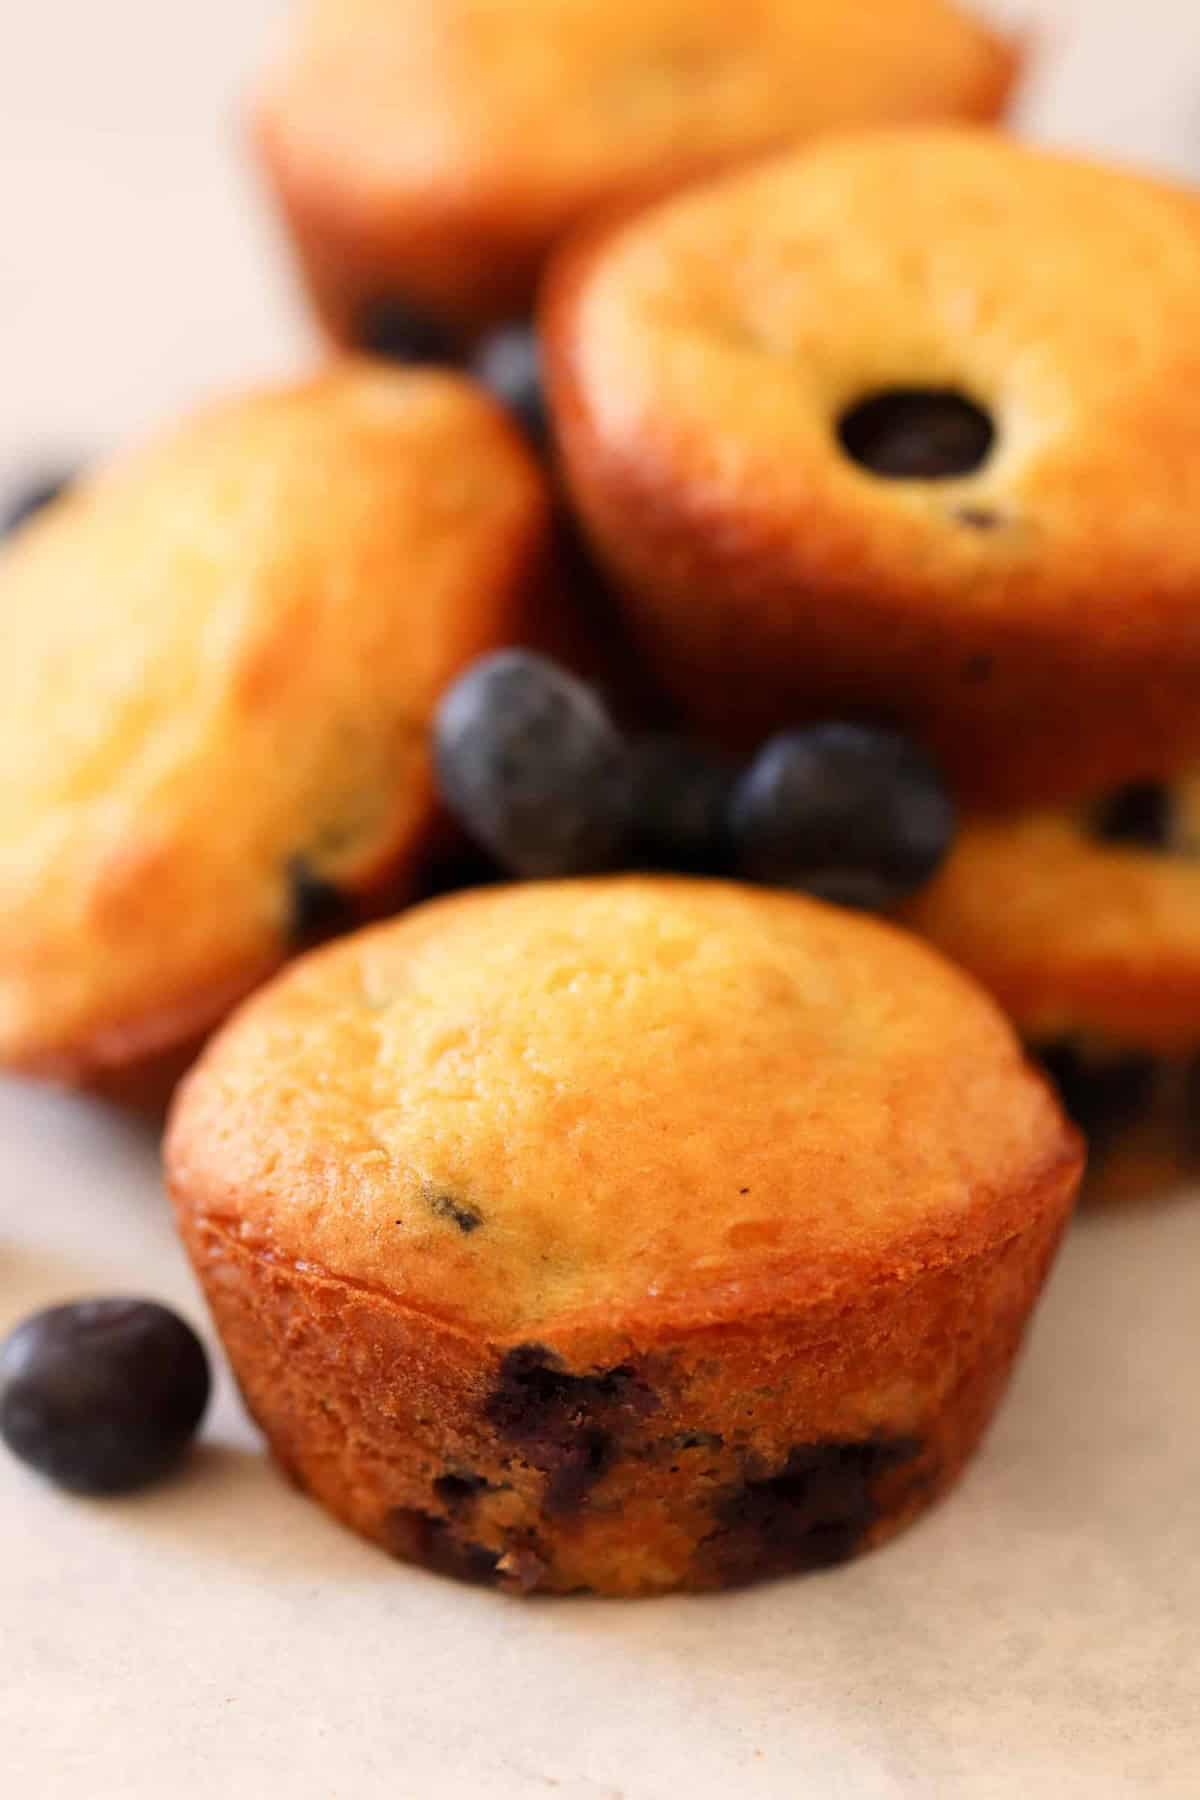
[{"x": 1038, "y": 1636}]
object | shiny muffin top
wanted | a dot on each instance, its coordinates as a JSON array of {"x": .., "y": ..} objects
[
  {"x": 220, "y": 659},
  {"x": 904, "y": 425},
  {"x": 499, "y": 123},
  {"x": 618, "y": 1103}
]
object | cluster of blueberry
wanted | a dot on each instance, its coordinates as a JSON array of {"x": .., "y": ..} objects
[{"x": 532, "y": 764}]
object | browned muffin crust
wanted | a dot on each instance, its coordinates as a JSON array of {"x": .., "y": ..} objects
[
  {"x": 432, "y": 155},
  {"x": 1024, "y": 599},
  {"x": 627, "y": 1235},
  {"x": 221, "y": 658}
]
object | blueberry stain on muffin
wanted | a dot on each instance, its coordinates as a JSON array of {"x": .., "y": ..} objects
[
  {"x": 619, "y": 1083},
  {"x": 568, "y": 1425},
  {"x": 536, "y": 1398},
  {"x": 980, "y": 518},
  {"x": 424, "y": 1537},
  {"x": 445, "y": 1206},
  {"x": 918, "y": 434},
  {"x": 457, "y": 1492},
  {"x": 815, "y": 1512},
  {"x": 581, "y": 1466}
]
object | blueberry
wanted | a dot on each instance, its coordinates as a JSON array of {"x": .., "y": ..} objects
[
  {"x": 533, "y": 766},
  {"x": 918, "y": 434},
  {"x": 32, "y": 498},
  {"x": 102, "y": 1396},
  {"x": 682, "y": 792},
  {"x": 399, "y": 331},
  {"x": 509, "y": 362},
  {"x": 853, "y": 814},
  {"x": 1137, "y": 814},
  {"x": 1102, "y": 1094}
]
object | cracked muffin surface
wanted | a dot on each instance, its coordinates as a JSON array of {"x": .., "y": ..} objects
[
  {"x": 431, "y": 155},
  {"x": 221, "y": 656},
  {"x": 899, "y": 426},
  {"x": 626, "y": 1234}
]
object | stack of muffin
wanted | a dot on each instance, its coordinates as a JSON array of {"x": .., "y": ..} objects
[{"x": 650, "y": 1229}]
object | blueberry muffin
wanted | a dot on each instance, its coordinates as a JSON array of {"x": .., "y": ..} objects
[
  {"x": 1079, "y": 936},
  {"x": 901, "y": 426},
  {"x": 1086, "y": 927},
  {"x": 628, "y": 1234},
  {"x": 220, "y": 659},
  {"x": 426, "y": 157}
]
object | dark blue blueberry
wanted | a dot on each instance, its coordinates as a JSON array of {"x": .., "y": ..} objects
[
  {"x": 530, "y": 762},
  {"x": 1103, "y": 1094},
  {"x": 509, "y": 362},
  {"x": 1137, "y": 814},
  {"x": 682, "y": 792},
  {"x": 853, "y": 814},
  {"x": 910, "y": 434},
  {"x": 398, "y": 331},
  {"x": 454, "y": 867},
  {"x": 102, "y": 1396},
  {"x": 33, "y": 497}
]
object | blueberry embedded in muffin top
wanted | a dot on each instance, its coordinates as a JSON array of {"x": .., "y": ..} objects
[
  {"x": 861, "y": 421},
  {"x": 926, "y": 434}
]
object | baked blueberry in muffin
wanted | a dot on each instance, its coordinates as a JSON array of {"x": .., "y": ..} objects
[
  {"x": 1085, "y": 925},
  {"x": 899, "y": 427},
  {"x": 628, "y": 1233},
  {"x": 220, "y": 661}
]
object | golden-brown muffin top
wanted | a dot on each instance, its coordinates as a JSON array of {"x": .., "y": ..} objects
[
  {"x": 1035, "y": 619},
  {"x": 220, "y": 657},
  {"x": 532, "y": 111},
  {"x": 574, "y": 1104}
]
